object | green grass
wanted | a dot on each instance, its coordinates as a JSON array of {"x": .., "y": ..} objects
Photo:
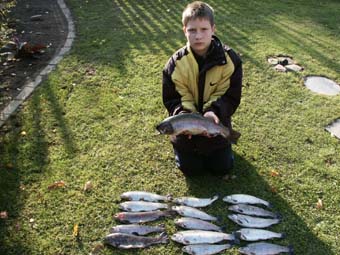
[{"x": 100, "y": 128}]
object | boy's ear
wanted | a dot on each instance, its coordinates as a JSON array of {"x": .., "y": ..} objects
[
  {"x": 213, "y": 28},
  {"x": 184, "y": 27}
]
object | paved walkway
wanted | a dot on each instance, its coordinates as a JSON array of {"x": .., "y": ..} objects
[{"x": 29, "y": 87}]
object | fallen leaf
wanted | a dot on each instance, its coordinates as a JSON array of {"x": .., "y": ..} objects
[
  {"x": 75, "y": 230},
  {"x": 3, "y": 215},
  {"x": 226, "y": 177},
  {"x": 273, "y": 190},
  {"x": 88, "y": 186},
  {"x": 274, "y": 173},
  {"x": 319, "y": 204},
  {"x": 97, "y": 248},
  {"x": 57, "y": 184},
  {"x": 10, "y": 166}
]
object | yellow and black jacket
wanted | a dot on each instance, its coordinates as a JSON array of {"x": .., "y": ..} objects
[{"x": 193, "y": 84}]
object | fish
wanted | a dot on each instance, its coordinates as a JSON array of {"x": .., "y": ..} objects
[
  {"x": 188, "y": 211},
  {"x": 263, "y": 248},
  {"x": 141, "y": 206},
  {"x": 136, "y": 229},
  {"x": 254, "y": 234},
  {"x": 192, "y": 223},
  {"x": 195, "y": 124},
  {"x": 253, "y": 210},
  {"x": 245, "y": 199},
  {"x": 252, "y": 222},
  {"x": 128, "y": 241},
  {"x": 140, "y": 217},
  {"x": 201, "y": 237},
  {"x": 195, "y": 202},
  {"x": 144, "y": 196},
  {"x": 205, "y": 249}
]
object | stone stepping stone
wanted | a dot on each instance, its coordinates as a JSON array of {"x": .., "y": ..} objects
[
  {"x": 283, "y": 63},
  {"x": 334, "y": 128},
  {"x": 322, "y": 85}
]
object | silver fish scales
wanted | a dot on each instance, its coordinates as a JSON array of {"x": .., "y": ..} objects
[
  {"x": 263, "y": 248},
  {"x": 192, "y": 223},
  {"x": 201, "y": 237},
  {"x": 195, "y": 202},
  {"x": 255, "y": 234},
  {"x": 128, "y": 241},
  {"x": 205, "y": 249},
  {"x": 141, "y": 206},
  {"x": 193, "y": 212},
  {"x": 253, "y": 210},
  {"x": 195, "y": 124},
  {"x": 245, "y": 199},
  {"x": 136, "y": 229},
  {"x": 252, "y": 222},
  {"x": 144, "y": 196}
]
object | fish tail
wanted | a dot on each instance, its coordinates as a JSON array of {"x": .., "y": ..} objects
[
  {"x": 237, "y": 234},
  {"x": 163, "y": 237},
  {"x": 291, "y": 249},
  {"x": 236, "y": 240},
  {"x": 170, "y": 212},
  {"x": 234, "y": 136}
]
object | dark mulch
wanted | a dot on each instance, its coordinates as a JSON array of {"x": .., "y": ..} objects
[{"x": 49, "y": 29}]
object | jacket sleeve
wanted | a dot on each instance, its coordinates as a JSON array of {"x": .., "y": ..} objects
[
  {"x": 225, "y": 106},
  {"x": 172, "y": 99}
]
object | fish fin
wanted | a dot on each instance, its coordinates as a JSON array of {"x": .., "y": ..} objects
[
  {"x": 219, "y": 220},
  {"x": 278, "y": 216},
  {"x": 234, "y": 136},
  {"x": 216, "y": 196},
  {"x": 269, "y": 205},
  {"x": 291, "y": 249}
]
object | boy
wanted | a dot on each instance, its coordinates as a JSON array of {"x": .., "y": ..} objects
[{"x": 205, "y": 77}]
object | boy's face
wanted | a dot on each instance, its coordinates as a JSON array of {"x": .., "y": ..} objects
[{"x": 199, "y": 33}]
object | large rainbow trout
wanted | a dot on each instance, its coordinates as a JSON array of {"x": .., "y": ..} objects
[{"x": 195, "y": 124}]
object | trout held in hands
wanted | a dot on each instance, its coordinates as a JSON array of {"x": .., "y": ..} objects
[{"x": 195, "y": 124}]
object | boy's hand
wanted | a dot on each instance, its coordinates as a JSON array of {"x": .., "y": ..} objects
[{"x": 212, "y": 115}]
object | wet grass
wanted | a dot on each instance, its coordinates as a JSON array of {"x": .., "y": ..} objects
[{"x": 93, "y": 120}]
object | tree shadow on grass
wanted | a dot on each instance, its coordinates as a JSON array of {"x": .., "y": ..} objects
[
  {"x": 24, "y": 156},
  {"x": 248, "y": 181}
]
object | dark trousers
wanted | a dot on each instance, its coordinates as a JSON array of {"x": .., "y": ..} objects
[{"x": 218, "y": 162}]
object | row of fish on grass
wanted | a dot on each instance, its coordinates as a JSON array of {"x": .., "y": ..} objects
[
  {"x": 254, "y": 219},
  {"x": 201, "y": 235}
]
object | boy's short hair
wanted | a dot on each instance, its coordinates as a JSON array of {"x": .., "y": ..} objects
[{"x": 198, "y": 9}]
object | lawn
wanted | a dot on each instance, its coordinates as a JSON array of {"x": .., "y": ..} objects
[{"x": 94, "y": 120}]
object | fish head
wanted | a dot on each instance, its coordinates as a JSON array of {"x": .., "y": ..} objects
[{"x": 165, "y": 127}]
